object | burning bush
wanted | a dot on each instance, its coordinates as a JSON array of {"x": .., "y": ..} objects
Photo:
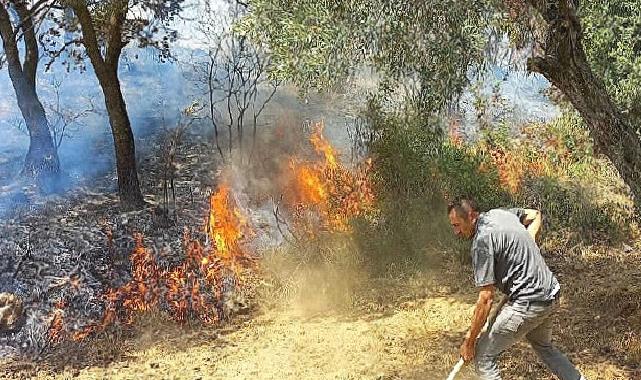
[
  {"x": 548, "y": 166},
  {"x": 194, "y": 289},
  {"x": 324, "y": 192}
]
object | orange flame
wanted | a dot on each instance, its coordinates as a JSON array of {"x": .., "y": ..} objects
[
  {"x": 225, "y": 225},
  {"x": 194, "y": 288},
  {"x": 310, "y": 186},
  {"x": 513, "y": 167},
  {"x": 455, "y": 133},
  {"x": 322, "y": 146},
  {"x": 56, "y": 328},
  {"x": 191, "y": 289},
  {"x": 327, "y": 189}
]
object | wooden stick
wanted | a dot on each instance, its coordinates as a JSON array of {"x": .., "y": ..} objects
[{"x": 456, "y": 369}]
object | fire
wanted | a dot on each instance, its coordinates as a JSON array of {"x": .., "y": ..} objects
[
  {"x": 509, "y": 168},
  {"x": 56, "y": 328},
  {"x": 455, "y": 133},
  {"x": 310, "y": 185},
  {"x": 322, "y": 146},
  {"x": 321, "y": 193},
  {"x": 513, "y": 166},
  {"x": 142, "y": 292},
  {"x": 192, "y": 289},
  {"x": 327, "y": 189},
  {"x": 225, "y": 224}
]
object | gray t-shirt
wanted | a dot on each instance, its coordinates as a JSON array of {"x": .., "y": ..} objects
[{"x": 506, "y": 255}]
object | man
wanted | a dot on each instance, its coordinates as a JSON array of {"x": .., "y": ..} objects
[{"x": 506, "y": 256}]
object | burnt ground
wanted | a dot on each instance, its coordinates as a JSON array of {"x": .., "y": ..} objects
[
  {"x": 406, "y": 326},
  {"x": 47, "y": 241}
]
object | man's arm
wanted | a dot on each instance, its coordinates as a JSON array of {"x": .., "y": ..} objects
[
  {"x": 481, "y": 312},
  {"x": 531, "y": 219}
]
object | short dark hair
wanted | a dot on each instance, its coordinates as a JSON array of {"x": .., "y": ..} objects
[{"x": 462, "y": 205}]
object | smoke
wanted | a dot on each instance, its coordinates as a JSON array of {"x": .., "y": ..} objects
[
  {"x": 308, "y": 274},
  {"x": 155, "y": 93}
]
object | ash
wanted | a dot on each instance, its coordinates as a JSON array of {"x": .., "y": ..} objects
[{"x": 74, "y": 247}]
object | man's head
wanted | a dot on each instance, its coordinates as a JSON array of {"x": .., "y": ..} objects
[{"x": 463, "y": 214}]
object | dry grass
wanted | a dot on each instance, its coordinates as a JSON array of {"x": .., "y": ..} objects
[{"x": 402, "y": 327}]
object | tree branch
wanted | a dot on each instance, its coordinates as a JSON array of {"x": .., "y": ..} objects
[
  {"x": 546, "y": 8},
  {"x": 114, "y": 42},
  {"x": 55, "y": 54},
  {"x": 90, "y": 39},
  {"x": 30, "y": 64},
  {"x": 541, "y": 65},
  {"x": 10, "y": 45},
  {"x": 34, "y": 11}
]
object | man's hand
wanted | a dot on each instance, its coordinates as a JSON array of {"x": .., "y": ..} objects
[
  {"x": 468, "y": 349},
  {"x": 532, "y": 222}
]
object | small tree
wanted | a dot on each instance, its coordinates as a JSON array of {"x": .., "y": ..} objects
[
  {"x": 104, "y": 28},
  {"x": 65, "y": 121},
  {"x": 18, "y": 20},
  {"x": 236, "y": 75}
]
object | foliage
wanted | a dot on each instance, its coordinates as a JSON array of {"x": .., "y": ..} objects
[
  {"x": 551, "y": 167},
  {"x": 425, "y": 47},
  {"x": 434, "y": 43},
  {"x": 426, "y": 51},
  {"x": 612, "y": 34},
  {"x": 611, "y": 40},
  {"x": 415, "y": 167},
  {"x": 144, "y": 22}
]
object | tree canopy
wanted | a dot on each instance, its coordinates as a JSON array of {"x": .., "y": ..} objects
[
  {"x": 431, "y": 44},
  {"x": 590, "y": 51},
  {"x": 318, "y": 44},
  {"x": 612, "y": 34}
]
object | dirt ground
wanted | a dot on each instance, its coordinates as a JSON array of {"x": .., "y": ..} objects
[{"x": 394, "y": 328}]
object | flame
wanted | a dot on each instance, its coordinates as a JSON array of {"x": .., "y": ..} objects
[
  {"x": 321, "y": 192},
  {"x": 56, "y": 328},
  {"x": 142, "y": 292},
  {"x": 190, "y": 289},
  {"x": 513, "y": 167},
  {"x": 322, "y": 146},
  {"x": 455, "y": 132},
  {"x": 327, "y": 190},
  {"x": 226, "y": 224},
  {"x": 310, "y": 185}
]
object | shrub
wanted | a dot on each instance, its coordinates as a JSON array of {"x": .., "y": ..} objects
[{"x": 549, "y": 166}]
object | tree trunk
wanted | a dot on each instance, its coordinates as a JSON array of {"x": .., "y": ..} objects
[
  {"x": 106, "y": 69},
  {"x": 128, "y": 185},
  {"x": 566, "y": 66},
  {"x": 41, "y": 162}
]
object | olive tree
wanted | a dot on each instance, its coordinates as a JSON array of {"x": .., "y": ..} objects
[
  {"x": 19, "y": 21},
  {"x": 589, "y": 51}
]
